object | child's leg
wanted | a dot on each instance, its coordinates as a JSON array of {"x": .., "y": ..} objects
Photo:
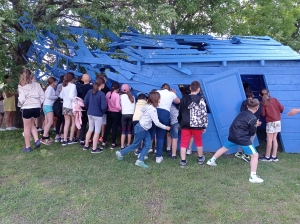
[
  {"x": 72, "y": 131},
  {"x": 185, "y": 138},
  {"x": 123, "y": 136},
  {"x": 90, "y": 131},
  {"x": 146, "y": 146},
  {"x": 98, "y": 124},
  {"x": 275, "y": 145},
  {"x": 49, "y": 119},
  {"x": 1, "y": 119},
  {"x": 139, "y": 134},
  {"x": 253, "y": 162},
  {"x": 27, "y": 131},
  {"x": 269, "y": 144},
  {"x": 169, "y": 141},
  {"x": 34, "y": 130},
  {"x": 174, "y": 146},
  {"x": 197, "y": 134},
  {"x": 220, "y": 152},
  {"x": 66, "y": 126}
]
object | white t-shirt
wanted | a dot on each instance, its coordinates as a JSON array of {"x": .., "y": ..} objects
[
  {"x": 68, "y": 94},
  {"x": 166, "y": 99},
  {"x": 127, "y": 106},
  {"x": 50, "y": 96}
]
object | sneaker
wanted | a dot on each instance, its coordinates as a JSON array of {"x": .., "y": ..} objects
[
  {"x": 255, "y": 179},
  {"x": 39, "y": 129},
  {"x": 37, "y": 144},
  {"x": 57, "y": 139},
  {"x": 201, "y": 160},
  {"x": 246, "y": 158},
  {"x": 64, "y": 143},
  {"x": 96, "y": 151},
  {"x": 2, "y": 129},
  {"x": 159, "y": 159},
  {"x": 137, "y": 152},
  {"x": 8, "y": 129},
  {"x": 86, "y": 148},
  {"x": 145, "y": 157},
  {"x": 61, "y": 139},
  {"x": 113, "y": 146},
  {"x": 169, "y": 152},
  {"x": 150, "y": 150},
  {"x": 119, "y": 155},
  {"x": 102, "y": 147},
  {"x": 182, "y": 164},
  {"x": 239, "y": 155},
  {"x": 174, "y": 157},
  {"x": 46, "y": 141},
  {"x": 264, "y": 159},
  {"x": 82, "y": 143},
  {"x": 13, "y": 128},
  {"x": 155, "y": 151},
  {"x": 76, "y": 140},
  {"x": 211, "y": 163},
  {"x": 26, "y": 149},
  {"x": 188, "y": 152},
  {"x": 71, "y": 142},
  {"x": 141, "y": 164},
  {"x": 274, "y": 159}
]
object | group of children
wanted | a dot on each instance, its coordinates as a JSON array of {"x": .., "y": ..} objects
[{"x": 160, "y": 109}]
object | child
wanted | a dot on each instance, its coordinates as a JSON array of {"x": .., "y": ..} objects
[
  {"x": 50, "y": 98},
  {"x": 271, "y": 108},
  {"x": 174, "y": 129},
  {"x": 1, "y": 111},
  {"x": 141, "y": 130},
  {"x": 240, "y": 132},
  {"x": 113, "y": 115},
  {"x": 141, "y": 102},
  {"x": 292, "y": 112},
  {"x": 193, "y": 121},
  {"x": 68, "y": 94},
  {"x": 249, "y": 95},
  {"x": 95, "y": 101},
  {"x": 127, "y": 104}
]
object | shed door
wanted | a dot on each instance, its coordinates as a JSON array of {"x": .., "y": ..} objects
[{"x": 224, "y": 93}]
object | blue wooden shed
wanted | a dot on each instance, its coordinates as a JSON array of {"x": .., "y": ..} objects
[{"x": 222, "y": 66}]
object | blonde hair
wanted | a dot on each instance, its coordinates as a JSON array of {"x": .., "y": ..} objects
[
  {"x": 26, "y": 77},
  {"x": 265, "y": 95}
]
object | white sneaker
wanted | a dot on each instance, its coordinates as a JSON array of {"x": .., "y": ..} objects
[
  {"x": 145, "y": 157},
  {"x": 150, "y": 150},
  {"x": 8, "y": 129},
  {"x": 255, "y": 179},
  {"x": 159, "y": 159},
  {"x": 211, "y": 162},
  {"x": 13, "y": 128},
  {"x": 188, "y": 152},
  {"x": 2, "y": 129}
]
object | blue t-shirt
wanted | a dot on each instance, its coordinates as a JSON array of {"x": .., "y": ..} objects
[{"x": 96, "y": 104}]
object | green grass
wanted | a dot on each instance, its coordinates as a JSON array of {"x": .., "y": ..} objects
[{"x": 56, "y": 184}]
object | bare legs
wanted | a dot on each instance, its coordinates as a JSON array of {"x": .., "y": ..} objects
[
  {"x": 272, "y": 143},
  {"x": 48, "y": 123},
  {"x": 68, "y": 120},
  {"x": 29, "y": 128}
]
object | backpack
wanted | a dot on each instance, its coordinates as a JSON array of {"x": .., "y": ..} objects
[
  {"x": 198, "y": 114},
  {"x": 57, "y": 108}
]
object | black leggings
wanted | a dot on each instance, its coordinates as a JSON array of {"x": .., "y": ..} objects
[
  {"x": 60, "y": 122},
  {"x": 112, "y": 122},
  {"x": 127, "y": 123},
  {"x": 84, "y": 119}
]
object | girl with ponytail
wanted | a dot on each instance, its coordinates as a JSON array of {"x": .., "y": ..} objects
[
  {"x": 128, "y": 105},
  {"x": 271, "y": 109},
  {"x": 95, "y": 102},
  {"x": 50, "y": 98},
  {"x": 113, "y": 114},
  {"x": 68, "y": 94}
]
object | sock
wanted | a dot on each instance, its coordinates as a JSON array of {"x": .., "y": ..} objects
[
  {"x": 168, "y": 148},
  {"x": 184, "y": 161},
  {"x": 213, "y": 158},
  {"x": 173, "y": 154},
  {"x": 253, "y": 174}
]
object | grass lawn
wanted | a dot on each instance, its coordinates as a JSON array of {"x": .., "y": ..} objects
[{"x": 56, "y": 184}]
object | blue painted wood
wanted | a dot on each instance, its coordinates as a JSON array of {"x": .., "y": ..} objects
[
  {"x": 224, "y": 102},
  {"x": 182, "y": 69}
]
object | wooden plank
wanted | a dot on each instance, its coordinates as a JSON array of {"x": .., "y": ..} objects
[
  {"x": 286, "y": 95},
  {"x": 290, "y": 136},
  {"x": 291, "y": 146},
  {"x": 284, "y": 87},
  {"x": 184, "y": 70},
  {"x": 279, "y": 80}
]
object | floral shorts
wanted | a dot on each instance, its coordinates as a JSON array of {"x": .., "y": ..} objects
[
  {"x": 273, "y": 127},
  {"x": 67, "y": 111}
]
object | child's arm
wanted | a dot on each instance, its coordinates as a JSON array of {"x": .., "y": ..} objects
[
  {"x": 41, "y": 94},
  {"x": 154, "y": 118},
  {"x": 252, "y": 126},
  {"x": 293, "y": 112},
  {"x": 86, "y": 100},
  {"x": 118, "y": 102},
  {"x": 281, "y": 108}
]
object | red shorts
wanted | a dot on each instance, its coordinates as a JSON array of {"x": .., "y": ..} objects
[{"x": 186, "y": 135}]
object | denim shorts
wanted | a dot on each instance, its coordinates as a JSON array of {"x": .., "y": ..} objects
[
  {"x": 174, "y": 130},
  {"x": 47, "y": 109}
]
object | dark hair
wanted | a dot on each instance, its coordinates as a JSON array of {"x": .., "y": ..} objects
[
  {"x": 153, "y": 90},
  {"x": 166, "y": 86},
  {"x": 153, "y": 98},
  {"x": 185, "y": 90},
  {"x": 194, "y": 86},
  {"x": 102, "y": 76},
  {"x": 99, "y": 82},
  {"x": 249, "y": 94},
  {"x": 252, "y": 103},
  {"x": 50, "y": 81},
  {"x": 114, "y": 87},
  {"x": 6, "y": 76},
  {"x": 79, "y": 79},
  {"x": 61, "y": 78},
  {"x": 265, "y": 95},
  {"x": 141, "y": 96},
  {"x": 68, "y": 78},
  {"x": 102, "y": 70}
]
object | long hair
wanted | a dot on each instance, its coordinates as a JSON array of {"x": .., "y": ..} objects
[
  {"x": 114, "y": 87},
  {"x": 50, "y": 81},
  {"x": 68, "y": 78},
  {"x": 153, "y": 98},
  {"x": 125, "y": 89},
  {"x": 265, "y": 95},
  {"x": 98, "y": 83},
  {"x": 26, "y": 77}
]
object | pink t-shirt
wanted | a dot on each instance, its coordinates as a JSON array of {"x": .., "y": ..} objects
[{"x": 113, "y": 102}]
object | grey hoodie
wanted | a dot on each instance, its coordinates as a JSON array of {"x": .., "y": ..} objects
[
  {"x": 149, "y": 114},
  {"x": 31, "y": 96}
]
